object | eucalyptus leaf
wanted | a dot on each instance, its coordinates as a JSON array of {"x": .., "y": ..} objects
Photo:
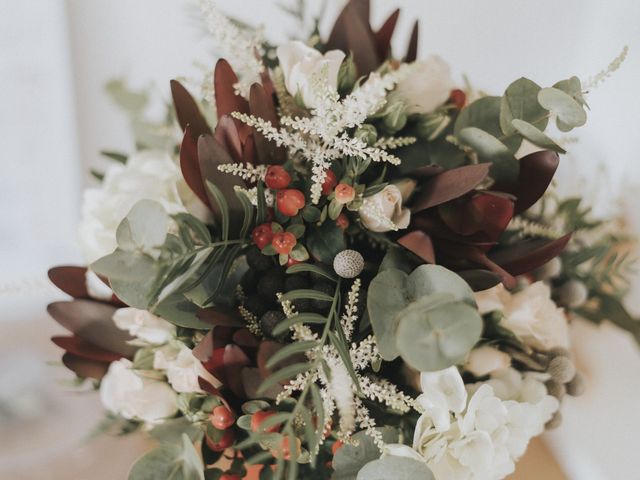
[
  {"x": 325, "y": 242},
  {"x": 350, "y": 459},
  {"x": 504, "y": 166},
  {"x": 536, "y": 136},
  {"x": 520, "y": 101},
  {"x": 570, "y": 113},
  {"x": 396, "y": 468},
  {"x": 144, "y": 228},
  {"x": 170, "y": 462}
]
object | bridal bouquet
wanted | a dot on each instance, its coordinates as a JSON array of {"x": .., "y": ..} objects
[{"x": 346, "y": 266}]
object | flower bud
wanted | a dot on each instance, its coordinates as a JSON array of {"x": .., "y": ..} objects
[
  {"x": 367, "y": 133},
  {"x": 562, "y": 369},
  {"x": 556, "y": 389},
  {"x": 577, "y": 386},
  {"x": 555, "y": 421},
  {"x": 549, "y": 270},
  {"x": 573, "y": 294}
]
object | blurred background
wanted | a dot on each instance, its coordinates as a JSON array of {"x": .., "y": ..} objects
[{"x": 56, "y": 57}]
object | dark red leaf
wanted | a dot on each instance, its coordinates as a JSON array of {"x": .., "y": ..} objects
[
  {"x": 85, "y": 368},
  {"x": 244, "y": 338},
  {"x": 480, "y": 280},
  {"x": 220, "y": 317},
  {"x": 484, "y": 214},
  {"x": 448, "y": 185},
  {"x": 187, "y": 111},
  {"x": 526, "y": 256},
  {"x": 412, "y": 50},
  {"x": 227, "y": 135},
  {"x": 384, "y": 35},
  {"x": 71, "y": 280},
  {"x": 190, "y": 166},
  {"x": 261, "y": 105},
  {"x": 227, "y": 101},
  {"x": 92, "y": 321},
  {"x": 419, "y": 243},
  {"x": 81, "y": 348},
  {"x": 234, "y": 361},
  {"x": 204, "y": 349}
]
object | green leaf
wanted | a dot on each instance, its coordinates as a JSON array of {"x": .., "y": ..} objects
[
  {"x": 285, "y": 373},
  {"x": 309, "y": 268},
  {"x": 171, "y": 431},
  {"x": 289, "y": 350},
  {"x": 325, "y": 242},
  {"x": 392, "y": 290},
  {"x": 299, "y": 253},
  {"x": 396, "y": 468},
  {"x": 224, "y": 208},
  {"x": 484, "y": 114},
  {"x": 350, "y": 458},
  {"x": 117, "y": 156},
  {"x": 261, "y": 211},
  {"x": 198, "y": 228},
  {"x": 144, "y": 228},
  {"x": 297, "y": 229},
  {"x": 535, "y": 136},
  {"x": 312, "y": 318},
  {"x": 335, "y": 208},
  {"x": 573, "y": 87},
  {"x": 520, "y": 101},
  {"x": 307, "y": 293},
  {"x": 247, "y": 209},
  {"x": 171, "y": 462},
  {"x": 311, "y": 214},
  {"x": 178, "y": 310},
  {"x": 569, "y": 112},
  {"x": 431, "y": 339},
  {"x": 504, "y": 166}
]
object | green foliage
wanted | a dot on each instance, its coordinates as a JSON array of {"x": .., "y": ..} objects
[
  {"x": 395, "y": 297},
  {"x": 350, "y": 459},
  {"x": 325, "y": 242},
  {"x": 398, "y": 468},
  {"x": 169, "y": 461},
  {"x": 570, "y": 113}
]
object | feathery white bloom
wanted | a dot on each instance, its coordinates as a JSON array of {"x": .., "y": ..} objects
[{"x": 247, "y": 171}]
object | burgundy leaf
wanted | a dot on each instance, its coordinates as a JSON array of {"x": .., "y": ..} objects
[
  {"x": 449, "y": 184},
  {"x": 412, "y": 50},
  {"x": 204, "y": 349},
  {"x": 484, "y": 214},
  {"x": 261, "y": 105},
  {"x": 190, "y": 166},
  {"x": 81, "y": 348},
  {"x": 92, "y": 321},
  {"x": 227, "y": 101},
  {"x": 234, "y": 361},
  {"x": 187, "y": 111},
  {"x": 219, "y": 317},
  {"x": 244, "y": 338},
  {"x": 526, "y": 256},
  {"x": 71, "y": 280},
  {"x": 227, "y": 135},
  {"x": 384, "y": 35},
  {"x": 480, "y": 280},
  {"x": 419, "y": 243},
  {"x": 85, "y": 368}
]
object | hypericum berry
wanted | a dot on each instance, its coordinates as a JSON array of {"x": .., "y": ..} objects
[
  {"x": 259, "y": 417},
  {"x": 344, "y": 193},
  {"x": 222, "y": 418},
  {"x": 290, "y": 201},
  {"x": 284, "y": 451},
  {"x": 292, "y": 261},
  {"x": 336, "y": 446},
  {"x": 330, "y": 181},
  {"x": 262, "y": 235},
  {"x": 230, "y": 476},
  {"x": 458, "y": 98},
  {"x": 284, "y": 242},
  {"x": 277, "y": 177},
  {"x": 342, "y": 221},
  {"x": 221, "y": 445}
]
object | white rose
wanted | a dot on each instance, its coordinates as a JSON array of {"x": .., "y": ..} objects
[
  {"x": 530, "y": 314},
  {"x": 182, "y": 369},
  {"x": 383, "y": 211},
  {"x": 124, "y": 392},
  {"x": 442, "y": 392},
  {"x": 485, "y": 360},
  {"x": 301, "y": 63},
  {"x": 144, "y": 325},
  {"x": 96, "y": 287},
  {"x": 147, "y": 175},
  {"x": 426, "y": 87}
]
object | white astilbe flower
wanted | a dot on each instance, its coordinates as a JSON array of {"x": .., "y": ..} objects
[
  {"x": 350, "y": 315},
  {"x": 238, "y": 46},
  {"x": 391, "y": 143},
  {"x": 342, "y": 390},
  {"x": 252, "y": 195},
  {"x": 322, "y": 138},
  {"x": 247, "y": 171}
]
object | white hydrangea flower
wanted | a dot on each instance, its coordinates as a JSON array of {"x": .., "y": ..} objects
[
  {"x": 486, "y": 360},
  {"x": 150, "y": 175},
  {"x": 182, "y": 369},
  {"x": 144, "y": 325},
  {"x": 426, "y": 87},
  {"x": 301, "y": 63},
  {"x": 443, "y": 392},
  {"x": 132, "y": 396},
  {"x": 529, "y": 313}
]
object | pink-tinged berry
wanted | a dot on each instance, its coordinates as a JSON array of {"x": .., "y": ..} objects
[
  {"x": 345, "y": 193},
  {"x": 277, "y": 177},
  {"x": 222, "y": 418},
  {"x": 259, "y": 417},
  {"x": 262, "y": 235},
  {"x": 230, "y": 476},
  {"x": 330, "y": 181},
  {"x": 292, "y": 261},
  {"x": 221, "y": 445},
  {"x": 458, "y": 98},
  {"x": 290, "y": 201},
  {"x": 284, "y": 242},
  {"x": 342, "y": 221}
]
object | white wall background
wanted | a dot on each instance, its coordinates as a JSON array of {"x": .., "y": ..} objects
[{"x": 56, "y": 56}]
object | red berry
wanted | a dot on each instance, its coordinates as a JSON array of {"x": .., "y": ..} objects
[
  {"x": 262, "y": 235},
  {"x": 344, "y": 193},
  {"x": 225, "y": 442},
  {"x": 336, "y": 446},
  {"x": 277, "y": 177},
  {"x": 284, "y": 451},
  {"x": 290, "y": 201},
  {"x": 230, "y": 476},
  {"x": 222, "y": 418},
  {"x": 284, "y": 242},
  {"x": 259, "y": 417},
  {"x": 292, "y": 261},
  {"x": 458, "y": 98},
  {"x": 342, "y": 221},
  {"x": 330, "y": 181}
]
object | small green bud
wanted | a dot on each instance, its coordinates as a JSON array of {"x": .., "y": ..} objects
[
  {"x": 562, "y": 369},
  {"x": 577, "y": 386},
  {"x": 431, "y": 125},
  {"x": 549, "y": 270},
  {"x": 367, "y": 133},
  {"x": 347, "y": 75},
  {"x": 573, "y": 294},
  {"x": 556, "y": 389},
  {"x": 395, "y": 117}
]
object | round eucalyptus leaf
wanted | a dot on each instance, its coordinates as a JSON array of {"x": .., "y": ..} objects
[
  {"x": 178, "y": 461},
  {"x": 349, "y": 459},
  {"x": 145, "y": 227},
  {"x": 535, "y": 136},
  {"x": 520, "y": 101},
  {"x": 439, "y": 337},
  {"x": 429, "y": 279},
  {"x": 396, "y": 468},
  {"x": 570, "y": 113}
]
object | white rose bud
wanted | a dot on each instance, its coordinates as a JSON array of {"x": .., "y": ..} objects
[
  {"x": 486, "y": 360},
  {"x": 383, "y": 211},
  {"x": 144, "y": 325},
  {"x": 301, "y": 63},
  {"x": 182, "y": 369},
  {"x": 124, "y": 392},
  {"x": 426, "y": 87}
]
